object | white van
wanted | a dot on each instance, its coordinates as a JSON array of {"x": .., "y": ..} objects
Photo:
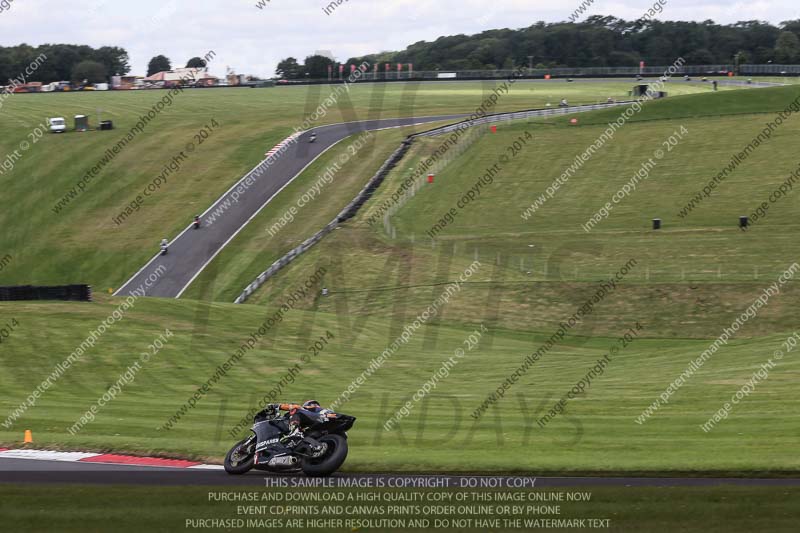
[{"x": 57, "y": 125}]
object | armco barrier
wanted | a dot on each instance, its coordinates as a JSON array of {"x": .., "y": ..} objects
[
  {"x": 345, "y": 214},
  {"x": 520, "y": 115},
  {"x": 352, "y": 208},
  {"x": 75, "y": 293}
]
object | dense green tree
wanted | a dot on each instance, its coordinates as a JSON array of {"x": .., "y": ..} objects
[
  {"x": 159, "y": 63},
  {"x": 792, "y": 26},
  {"x": 787, "y": 48},
  {"x": 288, "y": 69},
  {"x": 115, "y": 60},
  {"x": 196, "y": 62},
  {"x": 91, "y": 71},
  {"x": 700, "y": 56},
  {"x": 56, "y": 62},
  {"x": 598, "y": 41},
  {"x": 6, "y": 71},
  {"x": 316, "y": 66},
  {"x": 64, "y": 59},
  {"x": 619, "y": 59}
]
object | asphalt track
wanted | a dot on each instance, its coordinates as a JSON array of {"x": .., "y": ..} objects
[
  {"x": 192, "y": 250},
  {"x": 58, "y": 472}
]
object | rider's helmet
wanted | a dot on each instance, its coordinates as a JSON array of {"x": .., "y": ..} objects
[{"x": 312, "y": 405}]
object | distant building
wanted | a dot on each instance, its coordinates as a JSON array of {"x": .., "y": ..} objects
[
  {"x": 183, "y": 76},
  {"x": 126, "y": 82},
  {"x": 236, "y": 79}
]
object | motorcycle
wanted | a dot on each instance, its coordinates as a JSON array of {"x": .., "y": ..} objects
[
  {"x": 164, "y": 249},
  {"x": 319, "y": 452},
  {"x": 196, "y": 222},
  {"x": 312, "y": 138}
]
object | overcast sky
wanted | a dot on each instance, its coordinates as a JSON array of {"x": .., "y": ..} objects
[{"x": 252, "y": 40}]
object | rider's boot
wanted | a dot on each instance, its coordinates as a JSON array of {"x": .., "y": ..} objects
[{"x": 294, "y": 436}]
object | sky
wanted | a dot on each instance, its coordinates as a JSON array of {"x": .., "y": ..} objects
[{"x": 251, "y": 39}]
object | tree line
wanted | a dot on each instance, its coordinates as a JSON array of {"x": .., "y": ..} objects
[
  {"x": 75, "y": 63},
  {"x": 65, "y": 62},
  {"x": 600, "y": 41}
]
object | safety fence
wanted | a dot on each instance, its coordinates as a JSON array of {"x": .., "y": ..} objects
[
  {"x": 406, "y": 74},
  {"x": 770, "y": 70},
  {"x": 541, "y": 73},
  {"x": 521, "y": 115}
]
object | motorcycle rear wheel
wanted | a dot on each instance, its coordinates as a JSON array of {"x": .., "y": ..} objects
[{"x": 330, "y": 461}]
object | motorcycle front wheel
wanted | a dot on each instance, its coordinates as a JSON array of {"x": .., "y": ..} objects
[
  {"x": 238, "y": 460},
  {"x": 330, "y": 461}
]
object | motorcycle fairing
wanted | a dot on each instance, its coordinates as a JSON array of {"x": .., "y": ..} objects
[{"x": 268, "y": 435}]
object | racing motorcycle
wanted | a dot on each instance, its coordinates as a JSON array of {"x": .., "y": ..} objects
[{"x": 318, "y": 450}]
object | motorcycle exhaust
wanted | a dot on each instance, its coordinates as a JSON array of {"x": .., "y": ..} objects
[{"x": 286, "y": 460}]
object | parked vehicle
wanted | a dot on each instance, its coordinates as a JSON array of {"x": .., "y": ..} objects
[
  {"x": 57, "y": 125},
  {"x": 31, "y": 87}
]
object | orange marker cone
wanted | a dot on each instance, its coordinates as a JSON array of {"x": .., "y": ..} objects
[{"x": 28, "y": 437}]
